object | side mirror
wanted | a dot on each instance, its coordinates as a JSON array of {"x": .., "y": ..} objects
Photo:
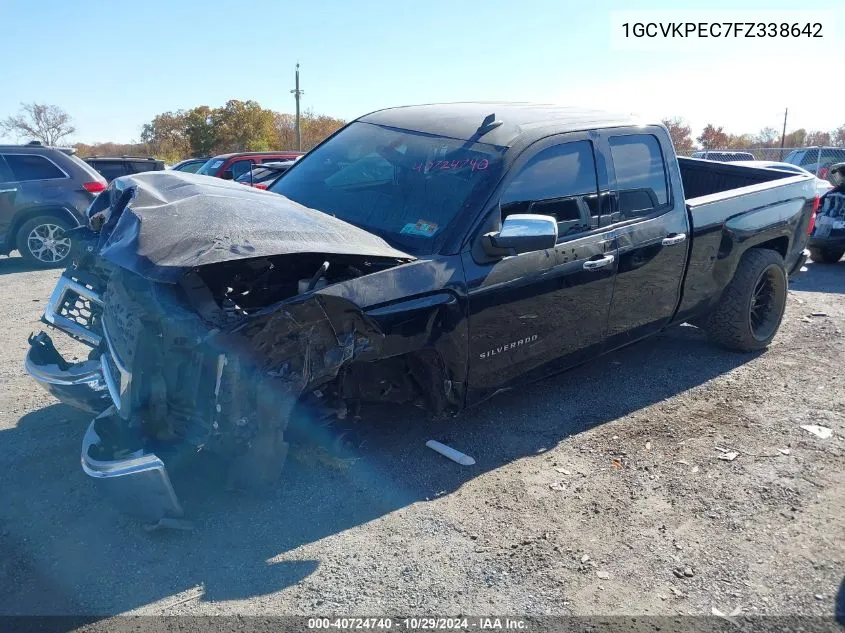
[
  {"x": 227, "y": 175},
  {"x": 522, "y": 233}
]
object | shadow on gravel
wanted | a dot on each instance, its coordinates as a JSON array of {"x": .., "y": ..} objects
[
  {"x": 61, "y": 539},
  {"x": 11, "y": 265},
  {"x": 821, "y": 278}
]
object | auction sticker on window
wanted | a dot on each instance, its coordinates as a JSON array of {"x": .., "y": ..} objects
[{"x": 422, "y": 228}]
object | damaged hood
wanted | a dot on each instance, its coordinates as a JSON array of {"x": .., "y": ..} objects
[{"x": 161, "y": 224}]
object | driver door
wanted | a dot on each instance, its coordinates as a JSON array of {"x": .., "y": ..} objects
[{"x": 540, "y": 312}]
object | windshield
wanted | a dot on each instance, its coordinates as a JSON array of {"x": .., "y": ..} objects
[
  {"x": 404, "y": 186},
  {"x": 211, "y": 166},
  {"x": 191, "y": 166}
]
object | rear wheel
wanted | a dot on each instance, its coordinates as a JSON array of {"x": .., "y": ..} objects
[
  {"x": 750, "y": 311},
  {"x": 43, "y": 241},
  {"x": 826, "y": 255}
]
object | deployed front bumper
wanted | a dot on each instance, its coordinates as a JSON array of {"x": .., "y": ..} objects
[
  {"x": 137, "y": 483},
  {"x": 80, "y": 385}
]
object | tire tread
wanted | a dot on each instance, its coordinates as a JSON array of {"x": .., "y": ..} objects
[{"x": 727, "y": 325}]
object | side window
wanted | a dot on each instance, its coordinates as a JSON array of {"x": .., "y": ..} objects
[
  {"x": 640, "y": 174},
  {"x": 809, "y": 157},
  {"x": 559, "y": 181},
  {"x": 32, "y": 167},
  {"x": 239, "y": 168},
  {"x": 136, "y": 167},
  {"x": 6, "y": 174},
  {"x": 110, "y": 169}
]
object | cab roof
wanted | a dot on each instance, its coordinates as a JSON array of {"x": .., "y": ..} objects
[{"x": 496, "y": 123}]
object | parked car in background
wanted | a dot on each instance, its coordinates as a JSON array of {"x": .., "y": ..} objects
[
  {"x": 190, "y": 165},
  {"x": 112, "y": 167},
  {"x": 822, "y": 186},
  {"x": 827, "y": 241},
  {"x": 233, "y": 166},
  {"x": 723, "y": 156},
  {"x": 44, "y": 192},
  {"x": 264, "y": 175},
  {"x": 816, "y": 160}
]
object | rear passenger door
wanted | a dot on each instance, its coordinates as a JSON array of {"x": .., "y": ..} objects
[
  {"x": 650, "y": 228},
  {"x": 9, "y": 187},
  {"x": 40, "y": 180},
  {"x": 540, "y": 312}
]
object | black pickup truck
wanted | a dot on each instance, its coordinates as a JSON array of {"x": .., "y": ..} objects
[{"x": 429, "y": 255}]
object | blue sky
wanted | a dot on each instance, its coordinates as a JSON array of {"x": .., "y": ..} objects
[{"x": 113, "y": 66}]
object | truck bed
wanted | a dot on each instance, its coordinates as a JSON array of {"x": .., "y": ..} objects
[
  {"x": 733, "y": 205},
  {"x": 704, "y": 177}
]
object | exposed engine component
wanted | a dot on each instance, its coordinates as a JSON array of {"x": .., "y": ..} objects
[{"x": 245, "y": 286}]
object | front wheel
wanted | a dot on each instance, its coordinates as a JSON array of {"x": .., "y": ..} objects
[
  {"x": 43, "y": 241},
  {"x": 751, "y": 308},
  {"x": 826, "y": 255}
]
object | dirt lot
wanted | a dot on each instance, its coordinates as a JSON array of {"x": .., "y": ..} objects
[{"x": 600, "y": 491}]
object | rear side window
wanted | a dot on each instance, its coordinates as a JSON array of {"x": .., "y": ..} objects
[
  {"x": 32, "y": 167},
  {"x": 111, "y": 169},
  {"x": 136, "y": 167},
  {"x": 833, "y": 155},
  {"x": 640, "y": 174},
  {"x": 559, "y": 181},
  {"x": 87, "y": 169}
]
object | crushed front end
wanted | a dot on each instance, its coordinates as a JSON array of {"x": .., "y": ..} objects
[{"x": 208, "y": 357}]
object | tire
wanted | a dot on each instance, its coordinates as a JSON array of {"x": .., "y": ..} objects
[
  {"x": 750, "y": 311},
  {"x": 826, "y": 255},
  {"x": 48, "y": 232}
]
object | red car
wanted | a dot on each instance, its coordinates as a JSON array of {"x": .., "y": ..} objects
[{"x": 232, "y": 166}]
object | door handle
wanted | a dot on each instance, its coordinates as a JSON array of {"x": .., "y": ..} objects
[
  {"x": 675, "y": 238},
  {"x": 13, "y": 190},
  {"x": 595, "y": 264}
]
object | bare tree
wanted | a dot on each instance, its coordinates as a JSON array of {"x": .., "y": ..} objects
[
  {"x": 46, "y": 123},
  {"x": 817, "y": 137}
]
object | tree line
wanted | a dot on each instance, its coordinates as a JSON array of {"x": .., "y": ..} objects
[
  {"x": 241, "y": 126},
  {"x": 713, "y": 137},
  {"x": 237, "y": 126}
]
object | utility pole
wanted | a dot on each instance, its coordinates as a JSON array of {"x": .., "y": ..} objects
[
  {"x": 296, "y": 93},
  {"x": 782, "y": 136}
]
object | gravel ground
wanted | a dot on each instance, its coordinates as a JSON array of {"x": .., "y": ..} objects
[{"x": 600, "y": 491}]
